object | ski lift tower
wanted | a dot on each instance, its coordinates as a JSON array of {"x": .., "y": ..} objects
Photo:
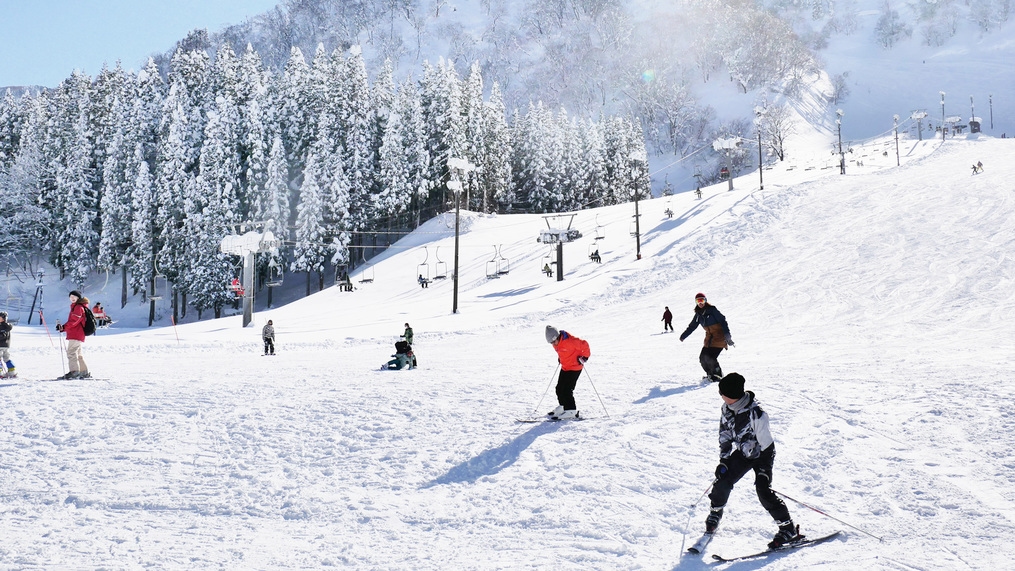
[
  {"x": 559, "y": 235},
  {"x": 246, "y": 244}
]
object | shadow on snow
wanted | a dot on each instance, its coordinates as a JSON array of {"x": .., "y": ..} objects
[{"x": 494, "y": 460}]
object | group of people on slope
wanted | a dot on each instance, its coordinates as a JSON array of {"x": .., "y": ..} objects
[{"x": 745, "y": 440}]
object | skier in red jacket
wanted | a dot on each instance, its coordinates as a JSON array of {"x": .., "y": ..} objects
[
  {"x": 572, "y": 353},
  {"x": 75, "y": 331}
]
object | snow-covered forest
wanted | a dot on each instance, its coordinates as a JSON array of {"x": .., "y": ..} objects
[{"x": 134, "y": 173}]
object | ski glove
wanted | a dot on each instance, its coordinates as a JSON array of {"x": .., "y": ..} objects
[
  {"x": 730, "y": 342},
  {"x": 720, "y": 470},
  {"x": 582, "y": 360}
]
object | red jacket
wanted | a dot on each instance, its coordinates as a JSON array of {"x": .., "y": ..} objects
[
  {"x": 568, "y": 349},
  {"x": 75, "y": 326}
]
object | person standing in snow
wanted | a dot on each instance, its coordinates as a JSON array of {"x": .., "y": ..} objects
[
  {"x": 5, "y": 344},
  {"x": 408, "y": 334},
  {"x": 667, "y": 319},
  {"x": 717, "y": 335},
  {"x": 572, "y": 353},
  {"x": 745, "y": 444},
  {"x": 268, "y": 334},
  {"x": 74, "y": 329}
]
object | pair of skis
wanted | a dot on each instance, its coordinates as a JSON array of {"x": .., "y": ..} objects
[{"x": 699, "y": 547}]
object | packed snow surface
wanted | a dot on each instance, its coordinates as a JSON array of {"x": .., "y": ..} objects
[{"x": 872, "y": 315}]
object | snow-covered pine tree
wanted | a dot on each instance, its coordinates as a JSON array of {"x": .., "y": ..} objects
[
  {"x": 355, "y": 123},
  {"x": 494, "y": 173},
  {"x": 115, "y": 201},
  {"x": 473, "y": 132},
  {"x": 180, "y": 140},
  {"x": 310, "y": 253},
  {"x": 412, "y": 133},
  {"x": 12, "y": 116},
  {"x": 75, "y": 199},
  {"x": 298, "y": 111},
  {"x": 440, "y": 96}
]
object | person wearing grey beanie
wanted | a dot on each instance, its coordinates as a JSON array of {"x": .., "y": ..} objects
[
  {"x": 746, "y": 444},
  {"x": 572, "y": 353}
]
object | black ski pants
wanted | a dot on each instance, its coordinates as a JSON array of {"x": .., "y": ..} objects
[
  {"x": 566, "y": 382},
  {"x": 709, "y": 359},
  {"x": 737, "y": 467},
  {"x": 269, "y": 346}
]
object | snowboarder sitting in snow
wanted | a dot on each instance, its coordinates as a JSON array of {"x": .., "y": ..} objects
[
  {"x": 403, "y": 357},
  {"x": 717, "y": 335},
  {"x": 5, "y": 343},
  {"x": 572, "y": 353},
  {"x": 745, "y": 444}
]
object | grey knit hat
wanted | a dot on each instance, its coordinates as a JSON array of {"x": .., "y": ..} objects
[{"x": 551, "y": 334}]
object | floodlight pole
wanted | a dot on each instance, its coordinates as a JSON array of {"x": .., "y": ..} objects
[
  {"x": 898, "y": 162},
  {"x": 455, "y": 165},
  {"x": 758, "y": 113},
  {"x": 454, "y": 276},
  {"x": 842, "y": 157},
  {"x": 942, "y": 116}
]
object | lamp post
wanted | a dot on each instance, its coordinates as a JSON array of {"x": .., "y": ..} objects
[
  {"x": 456, "y": 166},
  {"x": 637, "y": 157},
  {"x": 942, "y": 116},
  {"x": 759, "y": 112},
  {"x": 898, "y": 162},
  {"x": 842, "y": 157}
]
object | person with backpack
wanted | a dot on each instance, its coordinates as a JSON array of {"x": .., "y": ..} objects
[
  {"x": 746, "y": 444},
  {"x": 268, "y": 334},
  {"x": 75, "y": 330},
  {"x": 717, "y": 336},
  {"x": 5, "y": 343},
  {"x": 572, "y": 353}
]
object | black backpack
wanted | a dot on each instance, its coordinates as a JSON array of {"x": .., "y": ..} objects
[{"x": 89, "y": 324}]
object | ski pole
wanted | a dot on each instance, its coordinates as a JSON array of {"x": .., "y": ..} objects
[
  {"x": 695, "y": 504},
  {"x": 42, "y": 319},
  {"x": 828, "y": 516},
  {"x": 173, "y": 319},
  {"x": 547, "y": 389},
  {"x": 64, "y": 351},
  {"x": 585, "y": 368},
  {"x": 690, "y": 512}
]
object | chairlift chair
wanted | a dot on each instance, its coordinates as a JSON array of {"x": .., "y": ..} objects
[
  {"x": 600, "y": 230},
  {"x": 366, "y": 275},
  {"x": 423, "y": 268},
  {"x": 160, "y": 283},
  {"x": 440, "y": 268},
  {"x": 275, "y": 274},
  {"x": 492, "y": 269}
]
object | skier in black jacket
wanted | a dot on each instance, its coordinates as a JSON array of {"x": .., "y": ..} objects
[{"x": 745, "y": 444}]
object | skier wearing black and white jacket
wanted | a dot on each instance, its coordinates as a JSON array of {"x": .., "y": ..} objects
[{"x": 746, "y": 443}]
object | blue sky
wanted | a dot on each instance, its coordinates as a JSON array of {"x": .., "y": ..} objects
[{"x": 43, "y": 41}]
